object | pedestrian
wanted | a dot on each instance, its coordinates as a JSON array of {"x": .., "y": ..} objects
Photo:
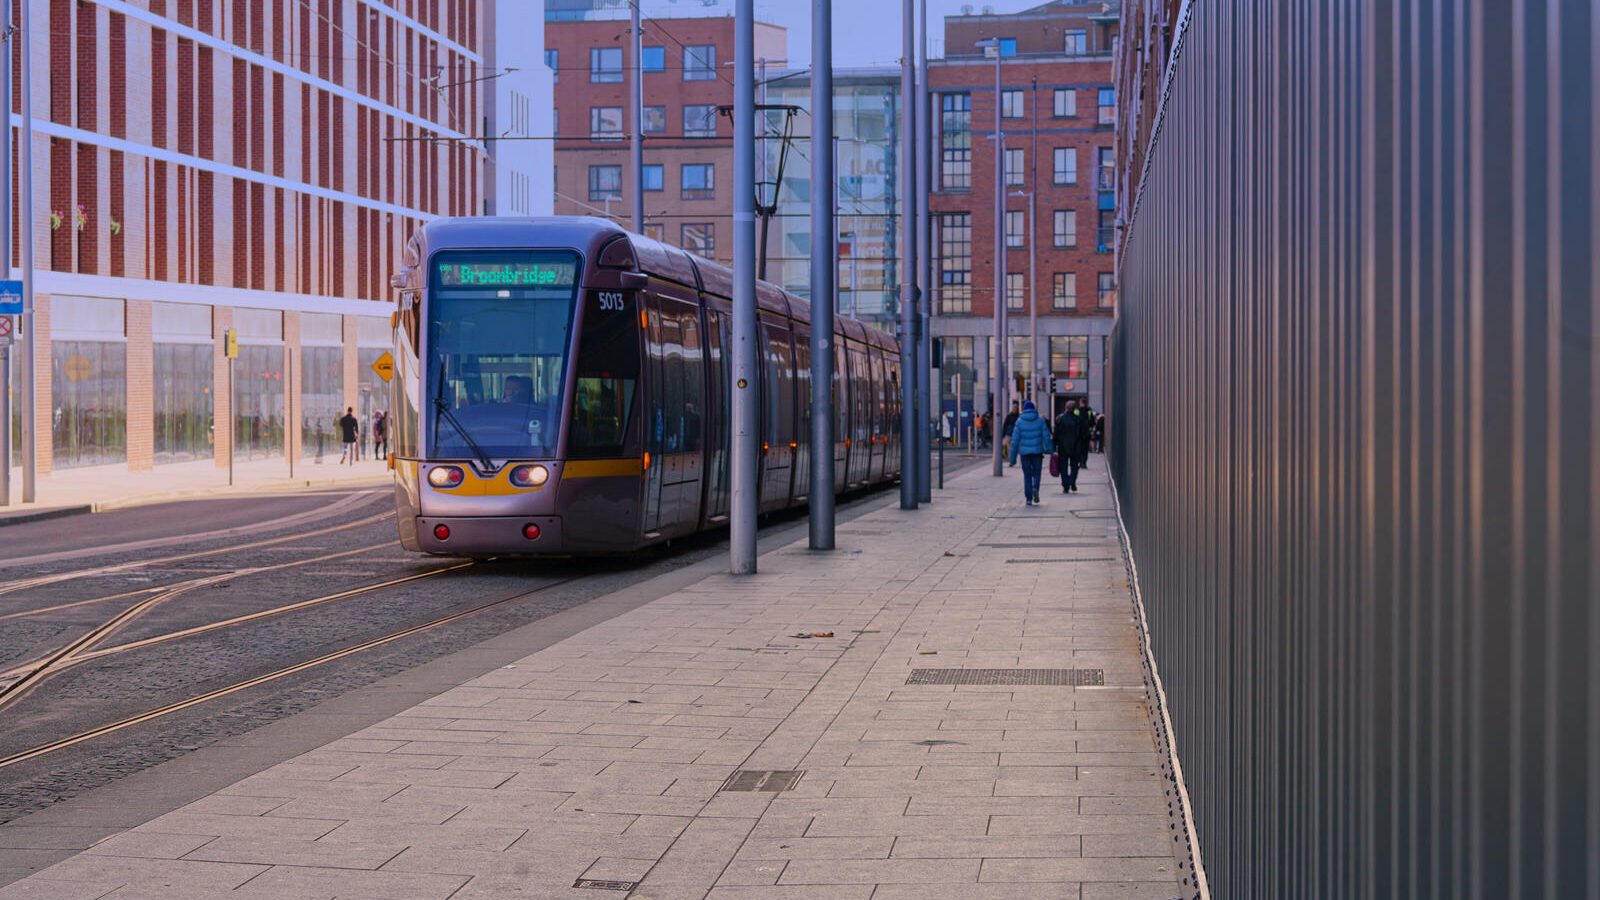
[
  {"x": 378, "y": 424},
  {"x": 1071, "y": 436},
  {"x": 1005, "y": 433},
  {"x": 982, "y": 429},
  {"x": 1086, "y": 413},
  {"x": 1030, "y": 439},
  {"x": 1100, "y": 433},
  {"x": 349, "y": 432}
]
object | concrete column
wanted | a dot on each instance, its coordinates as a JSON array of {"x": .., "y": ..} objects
[
  {"x": 141, "y": 379},
  {"x": 43, "y": 388},
  {"x": 292, "y": 379},
  {"x": 221, "y": 397}
]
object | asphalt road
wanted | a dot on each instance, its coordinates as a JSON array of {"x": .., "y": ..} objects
[{"x": 185, "y": 600}]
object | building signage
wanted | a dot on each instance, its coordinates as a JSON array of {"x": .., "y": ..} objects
[
  {"x": 10, "y": 298},
  {"x": 384, "y": 366}
]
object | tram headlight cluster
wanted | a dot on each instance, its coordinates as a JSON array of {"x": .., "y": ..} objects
[
  {"x": 529, "y": 476},
  {"x": 446, "y": 476}
]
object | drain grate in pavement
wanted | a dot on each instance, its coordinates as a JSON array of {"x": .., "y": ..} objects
[
  {"x": 601, "y": 885},
  {"x": 773, "y": 780},
  {"x": 1045, "y": 677},
  {"x": 1064, "y": 559}
]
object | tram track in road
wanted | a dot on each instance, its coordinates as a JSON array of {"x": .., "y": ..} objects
[
  {"x": 24, "y": 677},
  {"x": 283, "y": 672},
  {"x": 19, "y": 584}
]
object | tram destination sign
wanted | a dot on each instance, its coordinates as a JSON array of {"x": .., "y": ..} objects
[{"x": 514, "y": 274}]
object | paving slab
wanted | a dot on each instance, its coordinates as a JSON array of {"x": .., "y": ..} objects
[{"x": 614, "y": 753}]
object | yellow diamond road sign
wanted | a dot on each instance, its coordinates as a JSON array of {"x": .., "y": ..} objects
[{"x": 384, "y": 366}]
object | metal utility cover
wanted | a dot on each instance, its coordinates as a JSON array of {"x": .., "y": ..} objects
[
  {"x": 598, "y": 884},
  {"x": 1021, "y": 677},
  {"x": 773, "y": 780}
]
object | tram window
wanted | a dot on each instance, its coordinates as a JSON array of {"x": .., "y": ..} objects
[
  {"x": 497, "y": 343},
  {"x": 607, "y": 378}
]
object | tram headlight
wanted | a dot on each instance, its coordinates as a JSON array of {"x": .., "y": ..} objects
[
  {"x": 529, "y": 476},
  {"x": 446, "y": 476}
]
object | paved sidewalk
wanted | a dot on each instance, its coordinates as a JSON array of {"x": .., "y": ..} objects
[
  {"x": 609, "y": 758},
  {"x": 113, "y": 487}
]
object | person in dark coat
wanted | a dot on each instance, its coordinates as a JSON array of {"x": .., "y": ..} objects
[
  {"x": 1071, "y": 443},
  {"x": 1086, "y": 414},
  {"x": 349, "y": 432}
]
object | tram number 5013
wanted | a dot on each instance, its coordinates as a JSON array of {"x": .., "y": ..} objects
[{"x": 611, "y": 301}]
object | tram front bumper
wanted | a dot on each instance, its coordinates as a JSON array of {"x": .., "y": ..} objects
[{"x": 489, "y": 535}]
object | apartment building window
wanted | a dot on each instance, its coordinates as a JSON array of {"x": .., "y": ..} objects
[
  {"x": 1105, "y": 232},
  {"x": 700, "y": 62},
  {"x": 699, "y": 121},
  {"x": 699, "y": 181},
  {"x": 1015, "y": 286},
  {"x": 1066, "y": 165},
  {"x": 1064, "y": 291},
  {"x": 1108, "y": 106},
  {"x": 552, "y": 58},
  {"x": 655, "y": 59},
  {"x": 555, "y": 121},
  {"x": 655, "y": 119},
  {"x": 1011, "y": 104},
  {"x": 1065, "y": 230},
  {"x": 1069, "y": 356},
  {"x": 605, "y": 65},
  {"x": 1107, "y": 290},
  {"x": 653, "y": 177},
  {"x": 605, "y": 123},
  {"x": 1015, "y": 223},
  {"x": 605, "y": 182},
  {"x": 1066, "y": 103},
  {"x": 700, "y": 237},
  {"x": 955, "y": 263},
  {"x": 1077, "y": 43},
  {"x": 955, "y": 142},
  {"x": 1106, "y": 164},
  {"x": 1015, "y": 166}
]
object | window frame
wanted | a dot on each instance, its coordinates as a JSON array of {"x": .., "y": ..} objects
[
  {"x": 708, "y": 192},
  {"x": 702, "y": 69},
  {"x": 709, "y": 248},
  {"x": 1013, "y": 103},
  {"x": 596, "y": 116},
  {"x": 1056, "y": 231},
  {"x": 1058, "y": 154},
  {"x": 661, "y": 177},
  {"x": 598, "y": 72},
  {"x": 1018, "y": 239},
  {"x": 645, "y": 53},
  {"x": 708, "y": 110},
  {"x": 1060, "y": 296},
  {"x": 598, "y": 193}
]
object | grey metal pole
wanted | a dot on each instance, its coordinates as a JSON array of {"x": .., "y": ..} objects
[
  {"x": 824, "y": 182},
  {"x": 927, "y": 398},
  {"x": 1033, "y": 299},
  {"x": 909, "y": 420},
  {"x": 30, "y": 461},
  {"x": 636, "y": 140},
  {"x": 744, "y": 465},
  {"x": 5, "y": 247},
  {"x": 1000, "y": 349}
]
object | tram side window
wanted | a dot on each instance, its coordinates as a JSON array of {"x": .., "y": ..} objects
[{"x": 607, "y": 376}]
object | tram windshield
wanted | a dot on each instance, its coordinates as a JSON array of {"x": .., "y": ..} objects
[{"x": 498, "y": 328}]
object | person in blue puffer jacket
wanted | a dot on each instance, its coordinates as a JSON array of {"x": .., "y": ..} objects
[{"x": 1030, "y": 440}]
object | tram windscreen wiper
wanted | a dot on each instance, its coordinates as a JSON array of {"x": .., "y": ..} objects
[{"x": 441, "y": 408}]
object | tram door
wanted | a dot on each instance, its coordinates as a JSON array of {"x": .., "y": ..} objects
[
  {"x": 863, "y": 396},
  {"x": 777, "y": 416},
  {"x": 717, "y": 423},
  {"x": 841, "y": 414},
  {"x": 802, "y": 409},
  {"x": 676, "y": 417}
]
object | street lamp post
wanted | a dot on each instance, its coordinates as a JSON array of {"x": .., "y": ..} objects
[
  {"x": 1033, "y": 298},
  {"x": 824, "y": 271},
  {"x": 744, "y": 464},
  {"x": 909, "y": 332},
  {"x": 1000, "y": 349}
]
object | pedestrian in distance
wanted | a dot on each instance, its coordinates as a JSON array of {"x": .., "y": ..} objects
[
  {"x": 1030, "y": 440},
  {"x": 1071, "y": 437},
  {"x": 1100, "y": 432},
  {"x": 1005, "y": 433},
  {"x": 1086, "y": 413},
  {"x": 380, "y": 424},
  {"x": 349, "y": 432}
]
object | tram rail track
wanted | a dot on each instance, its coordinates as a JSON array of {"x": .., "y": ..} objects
[{"x": 283, "y": 672}]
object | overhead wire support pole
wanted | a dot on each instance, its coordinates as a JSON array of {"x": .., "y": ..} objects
[
  {"x": 30, "y": 461},
  {"x": 908, "y": 259},
  {"x": 823, "y": 274},
  {"x": 636, "y": 104},
  {"x": 744, "y": 465},
  {"x": 6, "y": 180},
  {"x": 932, "y": 394},
  {"x": 999, "y": 410}
]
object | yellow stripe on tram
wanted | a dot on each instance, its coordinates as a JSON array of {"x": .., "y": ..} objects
[{"x": 601, "y": 468}]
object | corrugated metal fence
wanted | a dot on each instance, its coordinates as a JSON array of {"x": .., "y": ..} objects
[{"x": 1357, "y": 439}]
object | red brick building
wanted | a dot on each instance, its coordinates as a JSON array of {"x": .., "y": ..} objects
[
  {"x": 688, "y": 146},
  {"x": 1058, "y": 112},
  {"x": 203, "y": 165}
]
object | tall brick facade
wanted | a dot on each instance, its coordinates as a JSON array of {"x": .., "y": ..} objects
[{"x": 231, "y": 153}]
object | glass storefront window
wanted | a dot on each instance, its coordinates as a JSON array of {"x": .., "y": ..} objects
[
  {"x": 89, "y": 414},
  {"x": 183, "y": 402},
  {"x": 1069, "y": 356},
  {"x": 258, "y": 395},
  {"x": 321, "y": 400}
]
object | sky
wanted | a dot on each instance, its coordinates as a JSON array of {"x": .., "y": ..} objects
[{"x": 865, "y": 32}]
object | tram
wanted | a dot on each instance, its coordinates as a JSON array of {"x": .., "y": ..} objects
[{"x": 562, "y": 387}]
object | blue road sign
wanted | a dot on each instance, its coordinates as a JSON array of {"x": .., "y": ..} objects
[{"x": 10, "y": 298}]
